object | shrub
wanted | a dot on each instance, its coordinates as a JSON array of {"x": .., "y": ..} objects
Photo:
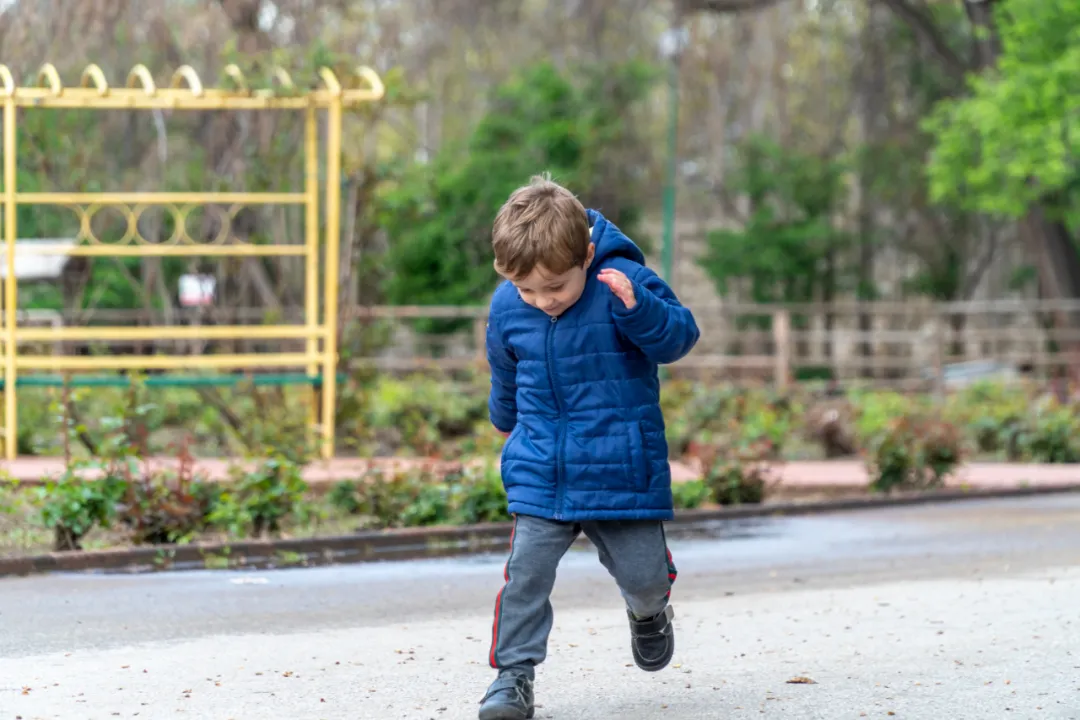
[
  {"x": 420, "y": 414},
  {"x": 257, "y": 501},
  {"x": 915, "y": 453},
  {"x": 765, "y": 429},
  {"x": 162, "y": 507},
  {"x": 480, "y": 496},
  {"x": 738, "y": 476},
  {"x": 420, "y": 497},
  {"x": 345, "y": 496},
  {"x": 702, "y": 415},
  {"x": 875, "y": 412},
  {"x": 1050, "y": 434},
  {"x": 73, "y": 506},
  {"x": 385, "y": 495},
  {"x": 991, "y": 413},
  {"x": 691, "y": 494},
  {"x": 430, "y": 506}
]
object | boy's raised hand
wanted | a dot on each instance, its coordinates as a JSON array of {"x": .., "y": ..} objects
[{"x": 620, "y": 285}]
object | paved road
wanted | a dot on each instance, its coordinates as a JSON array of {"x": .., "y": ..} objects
[{"x": 963, "y": 611}]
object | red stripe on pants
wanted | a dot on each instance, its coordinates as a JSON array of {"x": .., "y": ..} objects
[{"x": 498, "y": 599}]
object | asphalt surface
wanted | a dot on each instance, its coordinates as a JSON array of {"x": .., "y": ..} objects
[{"x": 966, "y": 610}]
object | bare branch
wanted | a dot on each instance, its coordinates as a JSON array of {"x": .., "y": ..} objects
[
  {"x": 979, "y": 270},
  {"x": 723, "y": 6},
  {"x": 923, "y": 25}
]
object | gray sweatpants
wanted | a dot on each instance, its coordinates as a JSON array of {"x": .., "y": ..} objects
[{"x": 634, "y": 552}]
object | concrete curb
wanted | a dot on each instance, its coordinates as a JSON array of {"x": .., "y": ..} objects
[{"x": 436, "y": 542}]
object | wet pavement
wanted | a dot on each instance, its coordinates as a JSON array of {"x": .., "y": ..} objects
[{"x": 965, "y": 610}]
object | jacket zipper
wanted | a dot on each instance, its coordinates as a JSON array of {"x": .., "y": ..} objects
[{"x": 562, "y": 421}]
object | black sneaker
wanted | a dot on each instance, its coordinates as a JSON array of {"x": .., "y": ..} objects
[
  {"x": 510, "y": 697},
  {"x": 653, "y": 640}
]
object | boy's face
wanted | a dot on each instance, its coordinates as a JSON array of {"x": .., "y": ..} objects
[{"x": 554, "y": 294}]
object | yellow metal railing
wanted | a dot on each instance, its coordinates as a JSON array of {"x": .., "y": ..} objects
[{"x": 186, "y": 92}]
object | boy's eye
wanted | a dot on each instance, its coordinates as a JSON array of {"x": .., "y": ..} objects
[{"x": 555, "y": 289}]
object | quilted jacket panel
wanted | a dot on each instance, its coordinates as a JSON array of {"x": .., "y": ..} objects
[{"x": 580, "y": 394}]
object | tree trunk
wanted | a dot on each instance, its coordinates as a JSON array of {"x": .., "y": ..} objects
[
  {"x": 1059, "y": 272},
  {"x": 872, "y": 79}
]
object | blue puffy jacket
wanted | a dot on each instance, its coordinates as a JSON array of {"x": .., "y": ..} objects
[{"x": 580, "y": 394}]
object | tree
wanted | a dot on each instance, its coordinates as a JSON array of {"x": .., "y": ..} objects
[
  {"x": 439, "y": 218},
  {"x": 1041, "y": 26},
  {"x": 1014, "y": 142},
  {"x": 1011, "y": 148},
  {"x": 788, "y": 249}
]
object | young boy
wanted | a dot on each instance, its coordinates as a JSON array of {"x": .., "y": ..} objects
[{"x": 574, "y": 339}]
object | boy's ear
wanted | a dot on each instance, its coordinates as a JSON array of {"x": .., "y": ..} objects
[{"x": 590, "y": 255}]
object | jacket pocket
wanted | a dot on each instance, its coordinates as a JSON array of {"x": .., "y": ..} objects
[
  {"x": 503, "y": 461},
  {"x": 639, "y": 460}
]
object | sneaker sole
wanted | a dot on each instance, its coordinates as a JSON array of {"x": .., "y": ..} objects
[
  {"x": 669, "y": 653},
  {"x": 504, "y": 713},
  {"x": 656, "y": 665}
]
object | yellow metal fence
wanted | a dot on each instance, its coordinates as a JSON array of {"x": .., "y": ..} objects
[{"x": 186, "y": 92}]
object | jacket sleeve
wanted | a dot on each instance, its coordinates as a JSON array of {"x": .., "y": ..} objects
[
  {"x": 658, "y": 324},
  {"x": 502, "y": 403}
]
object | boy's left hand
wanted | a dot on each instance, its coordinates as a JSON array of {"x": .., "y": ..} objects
[{"x": 620, "y": 285}]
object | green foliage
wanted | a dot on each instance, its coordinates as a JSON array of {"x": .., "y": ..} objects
[
  {"x": 1050, "y": 434},
  {"x": 73, "y": 506},
  {"x": 738, "y": 478},
  {"x": 735, "y": 435},
  {"x": 1013, "y": 141},
  {"x": 421, "y": 497},
  {"x": 419, "y": 412},
  {"x": 568, "y": 122},
  {"x": 730, "y": 416},
  {"x": 258, "y": 501},
  {"x": 915, "y": 453},
  {"x": 344, "y": 496},
  {"x": 788, "y": 249},
  {"x": 430, "y": 506},
  {"x": 480, "y": 496},
  {"x": 875, "y": 412},
  {"x": 989, "y": 411},
  {"x": 690, "y": 494},
  {"x": 386, "y": 495}
]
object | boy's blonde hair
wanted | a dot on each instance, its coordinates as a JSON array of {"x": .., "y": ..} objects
[{"x": 541, "y": 224}]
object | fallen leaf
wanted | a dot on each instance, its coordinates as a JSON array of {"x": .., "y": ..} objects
[{"x": 801, "y": 681}]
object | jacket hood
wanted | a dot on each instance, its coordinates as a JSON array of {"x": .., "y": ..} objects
[{"x": 610, "y": 241}]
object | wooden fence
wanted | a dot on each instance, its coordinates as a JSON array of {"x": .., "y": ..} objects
[{"x": 917, "y": 344}]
